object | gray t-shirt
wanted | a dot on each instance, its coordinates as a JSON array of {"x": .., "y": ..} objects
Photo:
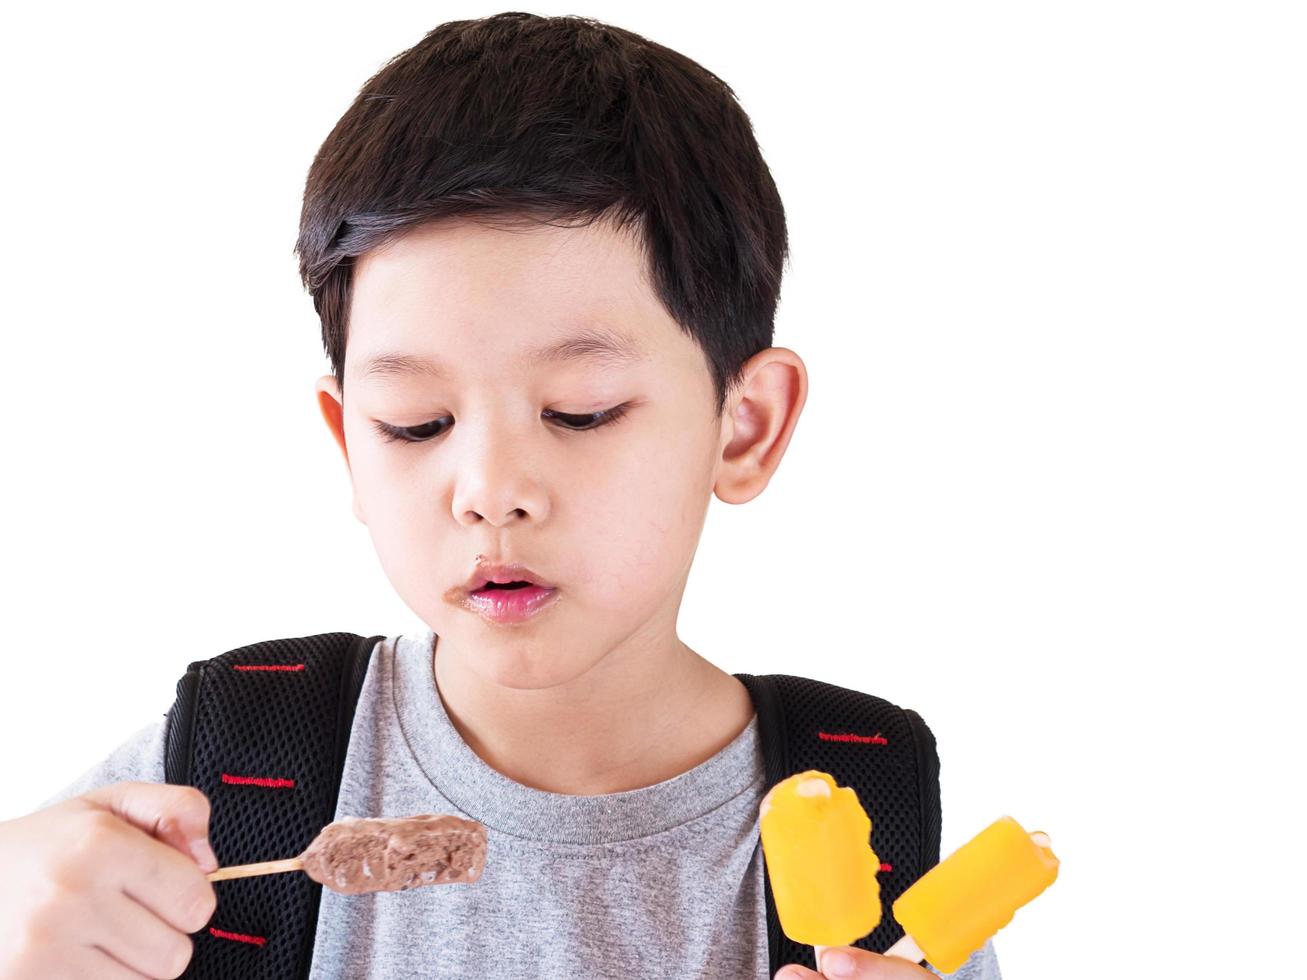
[{"x": 662, "y": 881}]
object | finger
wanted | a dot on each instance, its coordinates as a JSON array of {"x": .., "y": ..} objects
[
  {"x": 140, "y": 940},
  {"x": 155, "y": 875},
  {"x": 176, "y": 815},
  {"x": 854, "y": 963},
  {"x": 91, "y": 961}
]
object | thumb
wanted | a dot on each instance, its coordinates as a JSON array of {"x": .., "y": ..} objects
[
  {"x": 856, "y": 963},
  {"x": 176, "y": 815}
]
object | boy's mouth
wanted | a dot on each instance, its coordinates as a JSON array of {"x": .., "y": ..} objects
[
  {"x": 490, "y": 578},
  {"x": 507, "y": 594}
]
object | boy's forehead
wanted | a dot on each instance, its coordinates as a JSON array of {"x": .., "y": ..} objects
[
  {"x": 597, "y": 344},
  {"x": 459, "y": 262},
  {"x": 538, "y": 299}
]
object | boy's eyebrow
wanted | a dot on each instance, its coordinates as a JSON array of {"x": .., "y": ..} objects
[{"x": 593, "y": 343}]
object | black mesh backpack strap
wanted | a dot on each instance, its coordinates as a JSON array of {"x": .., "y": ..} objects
[
  {"x": 886, "y": 753},
  {"x": 262, "y": 730}
]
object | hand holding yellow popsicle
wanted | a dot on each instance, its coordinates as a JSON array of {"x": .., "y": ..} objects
[{"x": 816, "y": 843}]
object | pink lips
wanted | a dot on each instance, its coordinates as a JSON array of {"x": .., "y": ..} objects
[{"x": 511, "y": 605}]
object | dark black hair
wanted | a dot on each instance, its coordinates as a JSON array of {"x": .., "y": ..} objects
[{"x": 516, "y": 118}]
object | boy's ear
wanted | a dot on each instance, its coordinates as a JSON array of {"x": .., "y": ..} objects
[
  {"x": 331, "y": 405},
  {"x": 758, "y": 420}
]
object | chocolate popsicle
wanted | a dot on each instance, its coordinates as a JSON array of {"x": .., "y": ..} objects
[{"x": 354, "y": 855}]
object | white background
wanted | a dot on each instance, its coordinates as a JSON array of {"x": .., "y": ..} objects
[{"x": 1048, "y": 280}]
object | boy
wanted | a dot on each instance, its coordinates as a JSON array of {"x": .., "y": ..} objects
[{"x": 555, "y": 253}]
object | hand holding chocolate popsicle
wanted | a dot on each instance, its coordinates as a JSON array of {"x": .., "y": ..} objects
[{"x": 354, "y": 855}]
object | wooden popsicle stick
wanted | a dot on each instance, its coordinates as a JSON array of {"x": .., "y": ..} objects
[
  {"x": 906, "y": 948},
  {"x": 261, "y": 868}
]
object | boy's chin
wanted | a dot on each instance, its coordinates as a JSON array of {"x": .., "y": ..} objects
[{"x": 516, "y": 663}]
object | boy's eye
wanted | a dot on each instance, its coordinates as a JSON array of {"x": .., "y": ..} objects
[
  {"x": 570, "y": 423},
  {"x": 410, "y": 433}
]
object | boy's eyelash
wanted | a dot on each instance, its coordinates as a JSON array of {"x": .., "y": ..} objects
[{"x": 405, "y": 433}]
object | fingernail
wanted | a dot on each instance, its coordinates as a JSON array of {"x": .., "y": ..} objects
[
  {"x": 835, "y": 964},
  {"x": 204, "y": 856},
  {"x": 787, "y": 974}
]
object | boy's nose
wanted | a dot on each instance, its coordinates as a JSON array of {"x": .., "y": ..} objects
[
  {"x": 517, "y": 514},
  {"x": 497, "y": 478},
  {"x": 500, "y": 498}
]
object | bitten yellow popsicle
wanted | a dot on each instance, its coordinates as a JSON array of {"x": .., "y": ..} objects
[
  {"x": 951, "y": 910},
  {"x": 816, "y": 840}
]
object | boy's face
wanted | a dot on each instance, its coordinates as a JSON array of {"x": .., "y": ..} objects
[{"x": 610, "y": 516}]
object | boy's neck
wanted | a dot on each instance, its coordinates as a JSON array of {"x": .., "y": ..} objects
[{"x": 631, "y": 732}]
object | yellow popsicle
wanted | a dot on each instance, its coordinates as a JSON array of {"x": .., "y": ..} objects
[
  {"x": 816, "y": 840},
  {"x": 951, "y": 910}
]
